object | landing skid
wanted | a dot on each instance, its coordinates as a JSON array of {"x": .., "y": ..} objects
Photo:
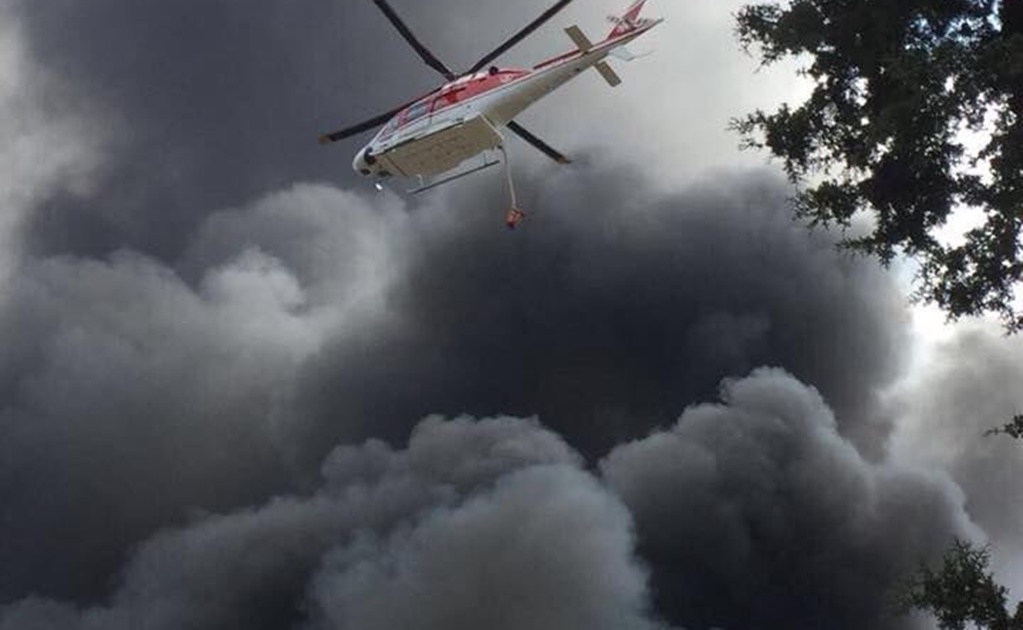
[{"x": 514, "y": 215}]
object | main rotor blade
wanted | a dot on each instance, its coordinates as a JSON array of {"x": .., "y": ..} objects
[
  {"x": 366, "y": 125},
  {"x": 424, "y": 52},
  {"x": 518, "y": 37},
  {"x": 547, "y": 149}
]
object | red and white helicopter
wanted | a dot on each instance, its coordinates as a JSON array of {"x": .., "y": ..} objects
[{"x": 436, "y": 133}]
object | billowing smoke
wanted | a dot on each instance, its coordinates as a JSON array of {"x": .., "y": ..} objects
[
  {"x": 754, "y": 513},
  {"x": 607, "y": 317},
  {"x": 136, "y": 398},
  {"x": 474, "y": 524},
  {"x": 214, "y": 379},
  {"x": 757, "y": 514}
]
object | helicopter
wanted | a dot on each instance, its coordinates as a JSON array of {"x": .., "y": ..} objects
[{"x": 430, "y": 137}]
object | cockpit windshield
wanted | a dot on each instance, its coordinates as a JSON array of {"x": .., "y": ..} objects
[{"x": 389, "y": 127}]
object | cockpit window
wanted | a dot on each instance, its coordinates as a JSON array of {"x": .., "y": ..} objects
[{"x": 389, "y": 128}]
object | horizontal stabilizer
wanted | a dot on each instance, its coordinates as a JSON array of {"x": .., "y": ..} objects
[
  {"x": 579, "y": 38},
  {"x": 609, "y": 74}
]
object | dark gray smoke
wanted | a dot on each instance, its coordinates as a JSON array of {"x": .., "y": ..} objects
[
  {"x": 188, "y": 336},
  {"x": 756, "y": 514},
  {"x": 316, "y": 316},
  {"x": 475, "y": 524},
  {"x": 612, "y": 312}
]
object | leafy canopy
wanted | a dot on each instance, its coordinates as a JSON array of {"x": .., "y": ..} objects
[
  {"x": 1013, "y": 428},
  {"x": 896, "y": 85},
  {"x": 961, "y": 593}
]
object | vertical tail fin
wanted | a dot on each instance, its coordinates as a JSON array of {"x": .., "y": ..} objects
[{"x": 628, "y": 21}]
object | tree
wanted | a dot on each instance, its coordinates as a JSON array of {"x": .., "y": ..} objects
[
  {"x": 896, "y": 83},
  {"x": 962, "y": 591},
  {"x": 1012, "y": 428}
]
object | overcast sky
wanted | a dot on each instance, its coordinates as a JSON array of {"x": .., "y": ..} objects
[{"x": 241, "y": 389}]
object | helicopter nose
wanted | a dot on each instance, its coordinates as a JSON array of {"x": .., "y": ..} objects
[
  {"x": 359, "y": 164},
  {"x": 363, "y": 162}
]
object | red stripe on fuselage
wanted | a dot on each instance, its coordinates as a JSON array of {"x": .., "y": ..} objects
[{"x": 458, "y": 91}]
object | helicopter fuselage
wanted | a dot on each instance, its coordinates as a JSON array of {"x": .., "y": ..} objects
[{"x": 463, "y": 118}]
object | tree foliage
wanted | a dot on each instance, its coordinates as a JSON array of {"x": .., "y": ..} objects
[
  {"x": 896, "y": 83},
  {"x": 1013, "y": 428},
  {"x": 962, "y": 591}
]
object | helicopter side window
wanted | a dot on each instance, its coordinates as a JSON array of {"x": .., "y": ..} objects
[
  {"x": 417, "y": 111},
  {"x": 447, "y": 98}
]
